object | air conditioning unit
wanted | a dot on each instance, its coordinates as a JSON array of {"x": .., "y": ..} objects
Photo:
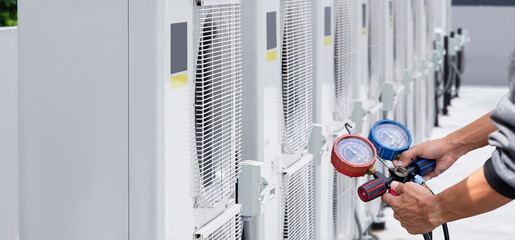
[
  {"x": 260, "y": 182},
  {"x": 432, "y": 66},
  {"x": 347, "y": 108},
  {"x": 442, "y": 18},
  {"x": 277, "y": 120},
  {"x": 213, "y": 123},
  {"x": 421, "y": 71},
  {"x": 367, "y": 109},
  {"x": 390, "y": 91},
  {"x": 404, "y": 60},
  {"x": 376, "y": 49},
  {"x": 320, "y": 144},
  {"x": 297, "y": 206},
  {"x": 149, "y": 141}
]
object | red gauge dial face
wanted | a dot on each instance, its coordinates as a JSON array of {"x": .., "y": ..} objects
[{"x": 353, "y": 155}]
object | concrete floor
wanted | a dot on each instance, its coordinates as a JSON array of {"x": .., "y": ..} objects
[{"x": 474, "y": 102}]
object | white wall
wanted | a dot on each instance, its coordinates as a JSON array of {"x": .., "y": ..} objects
[
  {"x": 8, "y": 134},
  {"x": 492, "y": 38}
]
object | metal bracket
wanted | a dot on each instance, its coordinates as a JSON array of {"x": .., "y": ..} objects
[
  {"x": 252, "y": 188},
  {"x": 358, "y": 116},
  {"x": 452, "y": 46},
  {"x": 388, "y": 96},
  {"x": 317, "y": 143},
  {"x": 407, "y": 80},
  {"x": 423, "y": 67}
]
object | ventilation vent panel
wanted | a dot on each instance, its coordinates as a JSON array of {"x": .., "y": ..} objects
[
  {"x": 345, "y": 58},
  {"x": 298, "y": 201},
  {"x": 297, "y": 75},
  {"x": 227, "y": 226},
  {"x": 343, "y": 209},
  {"x": 217, "y": 103}
]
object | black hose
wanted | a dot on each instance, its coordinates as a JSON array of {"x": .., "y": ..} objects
[
  {"x": 444, "y": 226},
  {"x": 446, "y": 231},
  {"x": 448, "y": 85},
  {"x": 427, "y": 237}
]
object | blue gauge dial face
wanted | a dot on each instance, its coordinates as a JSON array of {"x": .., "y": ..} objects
[
  {"x": 355, "y": 151},
  {"x": 391, "y": 135}
]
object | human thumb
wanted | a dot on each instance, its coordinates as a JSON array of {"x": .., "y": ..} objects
[{"x": 397, "y": 187}]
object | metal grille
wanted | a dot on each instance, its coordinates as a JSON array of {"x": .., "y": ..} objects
[
  {"x": 299, "y": 216},
  {"x": 297, "y": 75},
  {"x": 345, "y": 58},
  {"x": 343, "y": 209},
  {"x": 218, "y": 103},
  {"x": 230, "y": 229},
  {"x": 375, "y": 49}
]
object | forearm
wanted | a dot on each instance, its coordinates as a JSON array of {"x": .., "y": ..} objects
[
  {"x": 469, "y": 197},
  {"x": 470, "y": 137}
]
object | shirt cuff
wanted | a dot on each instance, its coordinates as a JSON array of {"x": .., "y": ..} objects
[{"x": 497, "y": 183}]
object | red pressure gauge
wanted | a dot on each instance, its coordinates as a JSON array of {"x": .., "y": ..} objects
[{"x": 353, "y": 155}]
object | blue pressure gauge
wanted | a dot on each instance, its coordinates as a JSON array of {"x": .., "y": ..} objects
[{"x": 390, "y": 138}]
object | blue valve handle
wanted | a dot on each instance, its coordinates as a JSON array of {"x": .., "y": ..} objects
[{"x": 423, "y": 166}]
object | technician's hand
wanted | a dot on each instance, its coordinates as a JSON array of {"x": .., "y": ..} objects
[
  {"x": 412, "y": 207},
  {"x": 438, "y": 150}
]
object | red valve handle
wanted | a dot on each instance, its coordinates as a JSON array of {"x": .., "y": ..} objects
[{"x": 372, "y": 189}]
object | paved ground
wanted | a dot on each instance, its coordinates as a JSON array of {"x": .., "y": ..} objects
[{"x": 498, "y": 224}]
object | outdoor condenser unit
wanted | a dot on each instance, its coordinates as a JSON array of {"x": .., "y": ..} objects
[
  {"x": 376, "y": 49},
  {"x": 367, "y": 110},
  {"x": 348, "y": 30},
  {"x": 139, "y": 111},
  {"x": 260, "y": 182},
  {"x": 276, "y": 186},
  {"x": 441, "y": 11},
  {"x": 442, "y": 17},
  {"x": 390, "y": 90},
  {"x": 335, "y": 95},
  {"x": 321, "y": 140},
  {"x": 421, "y": 71},
  {"x": 404, "y": 60},
  {"x": 432, "y": 66},
  {"x": 297, "y": 199}
]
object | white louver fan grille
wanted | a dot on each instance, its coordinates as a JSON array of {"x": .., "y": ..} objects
[
  {"x": 375, "y": 49},
  {"x": 297, "y": 75},
  {"x": 229, "y": 229},
  {"x": 343, "y": 210},
  {"x": 299, "y": 218},
  {"x": 218, "y": 103},
  {"x": 345, "y": 58}
]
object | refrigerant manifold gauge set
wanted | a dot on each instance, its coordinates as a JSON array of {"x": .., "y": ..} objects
[{"x": 354, "y": 156}]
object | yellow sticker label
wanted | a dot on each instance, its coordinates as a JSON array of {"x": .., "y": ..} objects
[
  {"x": 327, "y": 41},
  {"x": 391, "y": 25},
  {"x": 179, "y": 81},
  {"x": 364, "y": 32},
  {"x": 271, "y": 55}
]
